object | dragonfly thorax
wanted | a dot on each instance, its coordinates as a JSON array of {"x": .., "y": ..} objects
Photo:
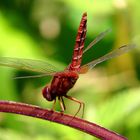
[{"x": 60, "y": 85}]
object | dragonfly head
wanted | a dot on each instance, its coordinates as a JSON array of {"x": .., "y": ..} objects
[{"x": 47, "y": 94}]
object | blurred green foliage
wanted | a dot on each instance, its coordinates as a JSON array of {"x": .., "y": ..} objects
[{"x": 43, "y": 29}]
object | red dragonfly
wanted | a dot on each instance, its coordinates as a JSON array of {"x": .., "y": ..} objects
[{"x": 63, "y": 81}]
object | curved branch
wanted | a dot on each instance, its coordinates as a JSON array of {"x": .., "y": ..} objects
[{"x": 74, "y": 122}]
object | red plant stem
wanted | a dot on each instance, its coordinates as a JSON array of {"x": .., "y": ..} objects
[{"x": 74, "y": 122}]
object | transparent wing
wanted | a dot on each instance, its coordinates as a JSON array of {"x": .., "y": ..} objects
[
  {"x": 35, "y": 76},
  {"x": 110, "y": 55},
  {"x": 28, "y": 64},
  {"x": 97, "y": 39}
]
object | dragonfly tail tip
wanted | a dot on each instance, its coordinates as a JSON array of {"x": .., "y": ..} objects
[{"x": 84, "y": 14}]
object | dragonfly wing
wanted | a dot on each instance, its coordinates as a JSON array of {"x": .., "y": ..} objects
[
  {"x": 97, "y": 39},
  {"x": 35, "y": 76},
  {"x": 110, "y": 55},
  {"x": 28, "y": 64}
]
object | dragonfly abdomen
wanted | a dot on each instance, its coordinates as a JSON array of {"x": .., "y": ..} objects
[{"x": 78, "y": 49}]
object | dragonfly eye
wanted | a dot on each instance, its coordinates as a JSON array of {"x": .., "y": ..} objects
[{"x": 46, "y": 93}]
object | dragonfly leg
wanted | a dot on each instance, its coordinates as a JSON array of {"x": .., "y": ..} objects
[
  {"x": 53, "y": 107},
  {"x": 62, "y": 105},
  {"x": 80, "y": 103}
]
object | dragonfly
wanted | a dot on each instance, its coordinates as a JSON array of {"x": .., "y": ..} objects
[{"x": 63, "y": 81}]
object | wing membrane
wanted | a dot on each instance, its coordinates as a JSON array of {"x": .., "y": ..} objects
[
  {"x": 110, "y": 55},
  {"x": 28, "y": 64},
  {"x": 35, "y": 76},
  {"x": 97, "y": 39}
]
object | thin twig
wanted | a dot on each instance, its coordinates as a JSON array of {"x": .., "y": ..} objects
[{"x": 77, "y": 123}]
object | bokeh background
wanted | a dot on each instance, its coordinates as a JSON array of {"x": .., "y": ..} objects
[{"x": 46, "y": 30}]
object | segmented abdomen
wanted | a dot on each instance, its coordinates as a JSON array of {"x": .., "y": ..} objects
[{"x": 79, "y": 45}]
